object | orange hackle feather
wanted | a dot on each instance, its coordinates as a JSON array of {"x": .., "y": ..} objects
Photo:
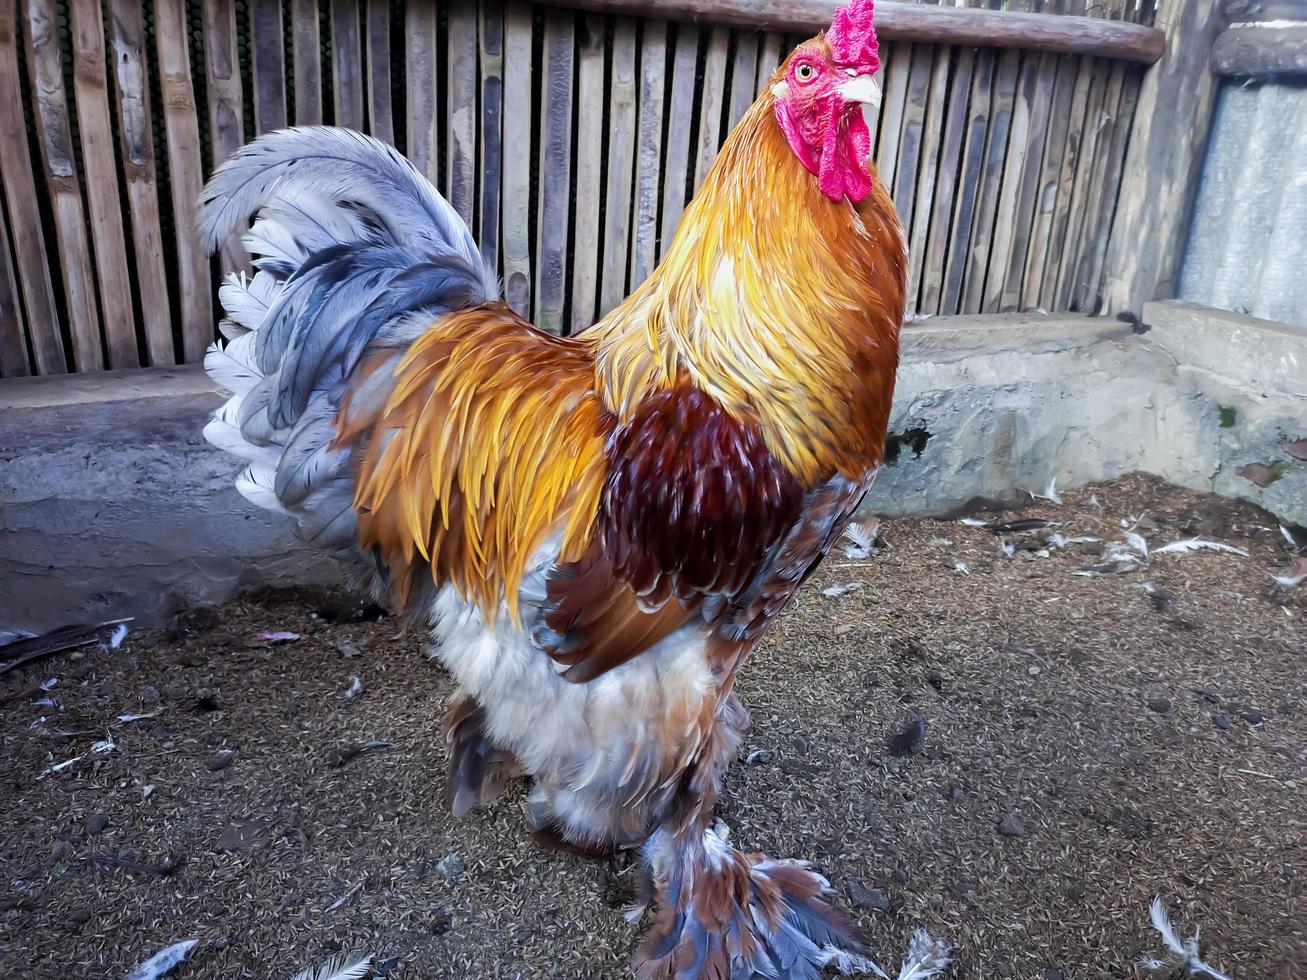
[
  {"x": 778, "y": 302},
  {"x": 491, "y": 440}
]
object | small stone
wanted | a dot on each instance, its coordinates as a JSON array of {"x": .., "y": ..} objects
[
  {"x": 1161, "y": 705},
  {"x": 97, "y": 822},
  {"x": 206, "y": 699},
  {"x": 1252, "y": 716},
  {"x": 957, "y": 794},
  {"x": 175, "y": 690},
  {"x": 1011, "y": 826},
  {"x": 869, "y": 899},
  {"x": 221, "y": 759},
  {"x": 450, "y": 867},
  {"x": 844, "y": 629},
  {"x": 149, "y": 695},
  {"x": 1223, "y": 722},
  {"x": 1053, "y": 973},
  {"x": 79, "y": 917}
]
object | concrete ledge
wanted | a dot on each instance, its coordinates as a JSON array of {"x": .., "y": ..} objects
[
  {"x": 1240, "y": 395},
  {"x": 112, "y": 504}
]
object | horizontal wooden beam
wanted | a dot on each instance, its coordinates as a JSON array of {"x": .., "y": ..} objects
[
  {"x": 1261, "y": 50},
  {"x": 966, "y": 26}
]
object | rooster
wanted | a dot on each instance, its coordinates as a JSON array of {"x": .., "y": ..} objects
[{"x": 598, "y": 529}]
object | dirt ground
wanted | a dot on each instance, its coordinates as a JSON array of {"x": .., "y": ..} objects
[{"x": 1090, "y": 743}]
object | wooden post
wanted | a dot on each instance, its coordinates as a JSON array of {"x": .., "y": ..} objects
[{"x": 1167, "y": 144}]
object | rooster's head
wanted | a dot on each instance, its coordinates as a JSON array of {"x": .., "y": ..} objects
[{"x": 823, "y": 94}]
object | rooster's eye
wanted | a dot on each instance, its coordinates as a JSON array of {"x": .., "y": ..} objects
[{"x": 806, "y": 73}]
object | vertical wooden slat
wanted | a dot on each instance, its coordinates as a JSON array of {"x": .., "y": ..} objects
[
  {"x": 1037, "y": 96},
  {"x": 460, "y": 167},
  {"x": 589, "y": 171},
  {"x": 653, "y": 67},
  {"x": 381, "y": 120},
  {"x": 621, "y": 162},
  {"x": 1059, "y": 123},
  {"x": 1084, "y": 295},
  {"x": 181, "y": 125},
  {"x": 769, "y": 59},
  {"x": 136, "y": 152},
  {"x": 223, "y": 88},
  {"x": 13, "y": 349},
  {"x": 56, "y": 140},
  {"x": 946, "y": 188},
  {"x": 269, "y": 65},
  {"x": 1048, "y": 296},
  {"x": 973, "y": 162},
  {"x": 923, "y": 195},
  {"x": 1080, "y": 75},
  {"x": 307, "y": 55},
  {"x": 492, "y": 131},
  {"x": 20, "y": 195},
  {"x": 713, "y": 95},
  {"x": 1000, "y": 125},
  {"x": 1109, "y": 190},
  {"x": 559, "y": 55},
  {"x": 347, "y": 64},
  {"x": 423, "y": 122},
  {"x": 744, "y": 76},
  {"x": 920, "y": 74},
  {"x": 676, "y": 164},
  {"x": 894, "y": 102},
  {"x": 95, "y": 128},
  {"x": 1066, "y": 275},
  {"x": 516, "y": 200}
]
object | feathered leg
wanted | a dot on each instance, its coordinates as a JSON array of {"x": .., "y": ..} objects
[
  {"x": 726, "y": 915},
  {"x": 478, "y": 769}
]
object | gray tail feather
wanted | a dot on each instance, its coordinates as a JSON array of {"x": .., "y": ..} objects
[{"x": 353, "y": 248}]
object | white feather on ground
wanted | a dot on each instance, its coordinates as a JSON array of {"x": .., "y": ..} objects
[
  {"x": 927, "y": 957},
  {"x": 1184, "y": 952},
  {"x": 345, "y": 966},
  {"x": 1051, "y": 494},
  {"x": 1189, "y": 545},
  {"x": 116, "y": 638},
  {"x": 163, "y": 962},
  {"x": 835, "y": 591},
  {"x": 859, "y": 541}
]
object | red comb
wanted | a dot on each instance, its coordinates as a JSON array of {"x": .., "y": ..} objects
[{"x": 852, "y": 37}]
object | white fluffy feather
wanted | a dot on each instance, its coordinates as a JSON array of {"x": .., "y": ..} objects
[
  {"x": 163, "y": 962},
  {"x": 1189, "y": 545},
  {"x": 345, "y": 966},
  {"x": 255, "y": 485},
  {"x": 1184, "y": 952}
]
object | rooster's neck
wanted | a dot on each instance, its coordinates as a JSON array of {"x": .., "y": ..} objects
[{"x": 781, "y": 304}]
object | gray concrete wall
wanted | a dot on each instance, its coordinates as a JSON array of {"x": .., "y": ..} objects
[{"x": 111, "y": 504}]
